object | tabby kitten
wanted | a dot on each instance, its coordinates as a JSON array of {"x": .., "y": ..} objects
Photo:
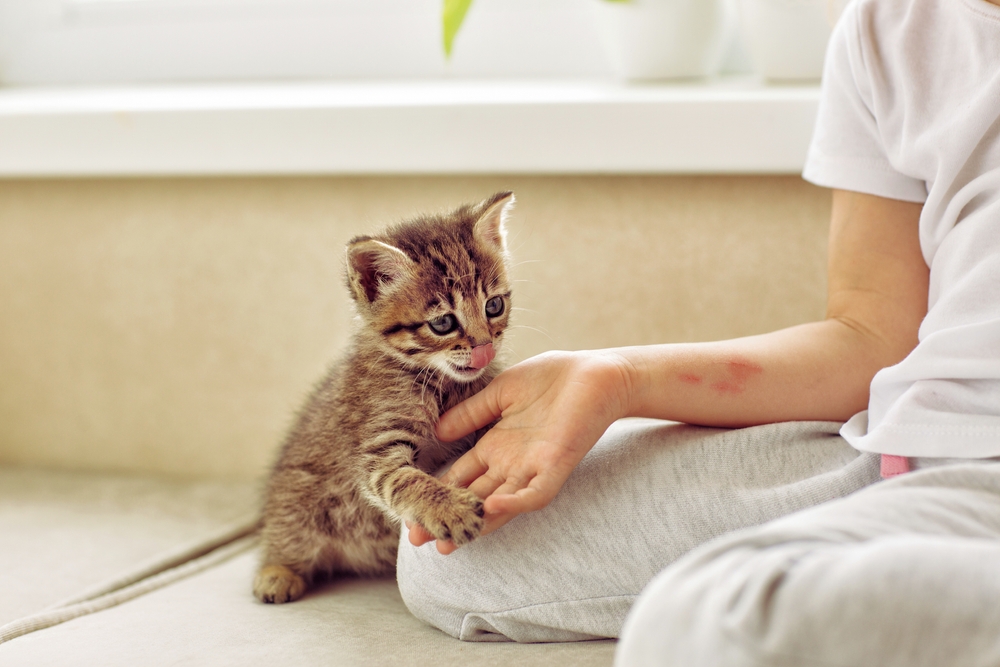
[{"x": 433, "y": 299}]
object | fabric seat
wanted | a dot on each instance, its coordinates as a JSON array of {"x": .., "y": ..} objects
[
  {"x": 109, "y": 570},
  {"x": 69, "y": 537}
]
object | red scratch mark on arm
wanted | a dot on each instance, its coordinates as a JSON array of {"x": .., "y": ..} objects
[
  {"x": 689, "y": 378},
  {"x": 738, "y": 371}
]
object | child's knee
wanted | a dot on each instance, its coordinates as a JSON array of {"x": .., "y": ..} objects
[
  {"x": 492, "y": 591},
  {"x": 673, "y": 621},
  {"x": 716, "y": 608}
]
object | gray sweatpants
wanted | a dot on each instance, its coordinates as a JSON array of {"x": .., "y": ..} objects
[
  {"x": 905, "y": 573},
  {"x": 832, "y": 583}
]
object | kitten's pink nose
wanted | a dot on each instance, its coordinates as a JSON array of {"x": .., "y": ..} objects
[{"x": 482, "y": 355}]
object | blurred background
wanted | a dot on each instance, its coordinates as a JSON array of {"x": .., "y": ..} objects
[
  {"x": 178, "y": 179},
  {"x": 113, "y": 41}
]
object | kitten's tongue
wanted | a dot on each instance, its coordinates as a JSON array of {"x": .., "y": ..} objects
[{"x": 482, "y": 355}]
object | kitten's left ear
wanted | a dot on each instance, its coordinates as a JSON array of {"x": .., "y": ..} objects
[
  {"x": 491, "y": 227},
  {"x": 375, "y": 268}
]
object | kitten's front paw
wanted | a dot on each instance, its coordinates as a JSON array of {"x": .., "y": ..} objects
[
  {"x": 458, "y": 519},
  {"x": 277, "y": 584}
]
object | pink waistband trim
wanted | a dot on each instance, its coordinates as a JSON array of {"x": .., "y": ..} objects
[{"x": 894, "y": 465}]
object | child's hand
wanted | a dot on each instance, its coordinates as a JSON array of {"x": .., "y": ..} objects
[{"x": 552, "y": 410}]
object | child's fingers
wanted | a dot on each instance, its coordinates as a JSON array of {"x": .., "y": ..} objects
[
  {"x": 466, "y": 469},
  {"x": 518, "y": 501},
  {"x": 494, "y": 521},
  {"x": 470, "y": 415},
  {"x": 418, "y": 536},
  {"x": 445, "y": 548},
  {"x": 485, "y": 485}
]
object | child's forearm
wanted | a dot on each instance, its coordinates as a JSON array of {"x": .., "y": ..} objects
[
  {"x": 820, "y": 371},
  {"x": 878, "y": 284}
]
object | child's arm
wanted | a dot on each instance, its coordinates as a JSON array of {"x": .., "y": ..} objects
[{"x": 554, "y": 407}]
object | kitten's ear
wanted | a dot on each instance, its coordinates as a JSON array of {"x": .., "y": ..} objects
[
  {"x": 373, "y": 268},
  {"x": 491, "y": 227}
]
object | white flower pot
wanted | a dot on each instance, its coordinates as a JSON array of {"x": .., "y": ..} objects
[
  {"x": 787, "y": 38},
  {"x": 666, "y": 39}
]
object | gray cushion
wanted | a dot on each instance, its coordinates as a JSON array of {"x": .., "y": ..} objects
[
  {"x": 66, "y": 537},
  {"x": 211, "y": 618}
]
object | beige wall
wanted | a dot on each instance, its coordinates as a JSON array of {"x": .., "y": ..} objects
[{"x": 174, "y": 324}]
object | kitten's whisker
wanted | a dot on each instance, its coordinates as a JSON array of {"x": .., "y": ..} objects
[
  {"x": 526, "y": 326},
  {"x": 535, "y": 329},
  {"x": 423, "y": 387},
  {"x": 416, "y": 380},
  {"x": 426, "y": 380}
]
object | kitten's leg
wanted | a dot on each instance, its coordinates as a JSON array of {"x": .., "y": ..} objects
[
  {"x": 289, "y": 563},
  {"x": 318, "y": 524},
  {"x": 296, "y": 547},
  {"x": 278, "y": 584},
  {"x": 394, "y": 483},
  {"x": 369, "y": 551}
]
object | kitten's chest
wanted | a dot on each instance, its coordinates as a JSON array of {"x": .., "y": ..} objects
[
  {"x": 383, "y": 398},
  {"x": 433, "y": 453}
]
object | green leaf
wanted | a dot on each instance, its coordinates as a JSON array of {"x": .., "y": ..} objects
[{"x": 453, "y": 14}]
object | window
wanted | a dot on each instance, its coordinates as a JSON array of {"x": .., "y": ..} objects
[
  {"x": 115, "y": 41},
  {"x": 362, "y": 86}
]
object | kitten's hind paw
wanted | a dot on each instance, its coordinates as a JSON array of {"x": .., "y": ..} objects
[
  {"x": 278, "y": 584},
  {"x": 458, "y": 520}
]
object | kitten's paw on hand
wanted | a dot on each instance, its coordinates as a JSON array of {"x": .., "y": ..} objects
[
  {"x": 458, "y": 519},
  {"x": 278, "y": 584}
]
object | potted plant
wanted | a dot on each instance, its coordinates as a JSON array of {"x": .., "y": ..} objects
[{"x": 787, "y": 38}]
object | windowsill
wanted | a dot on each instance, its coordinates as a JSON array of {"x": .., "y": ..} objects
[{"x": 732, "y": 125}]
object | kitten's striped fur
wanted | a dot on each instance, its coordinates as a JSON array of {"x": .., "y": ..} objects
[{"x": 358, "y": 457}]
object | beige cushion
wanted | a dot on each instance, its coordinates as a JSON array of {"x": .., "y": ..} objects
[
  {"x": 67, "y": 536},
  {"x": 212, "y": 618}
]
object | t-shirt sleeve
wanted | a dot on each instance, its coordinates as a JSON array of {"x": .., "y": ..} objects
[{"x": 847, "y": 151}]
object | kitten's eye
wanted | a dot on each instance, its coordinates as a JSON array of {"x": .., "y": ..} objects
[
  {"x": 444, "y": 324},
  {"x": 494, "y": 306}
]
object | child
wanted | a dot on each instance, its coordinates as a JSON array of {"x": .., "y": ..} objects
[{"x": 768, "y": 555}]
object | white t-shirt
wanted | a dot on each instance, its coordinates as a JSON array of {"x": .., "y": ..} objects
[{"x": 911, "y": 110}]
